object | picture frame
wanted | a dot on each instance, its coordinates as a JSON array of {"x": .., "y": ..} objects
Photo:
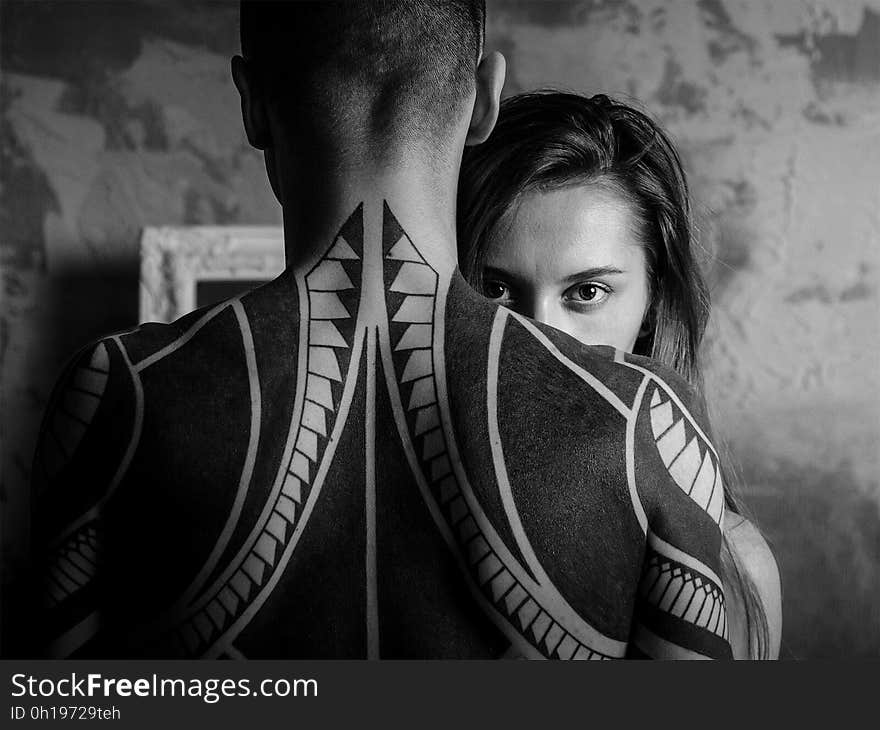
[{"x": 187, "y": 267}]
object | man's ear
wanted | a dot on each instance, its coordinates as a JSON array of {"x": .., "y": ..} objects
[
  {"x": 490, "y": 82},
  {"x": 253, "y": 109}
]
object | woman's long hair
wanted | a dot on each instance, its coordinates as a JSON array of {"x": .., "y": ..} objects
[{"x": 548, "y": 140}]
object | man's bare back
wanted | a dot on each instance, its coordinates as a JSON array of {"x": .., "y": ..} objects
[{"x": 365, "y": 459}]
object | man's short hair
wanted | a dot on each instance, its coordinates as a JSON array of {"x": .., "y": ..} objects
[{"x": 409, "y": 62}]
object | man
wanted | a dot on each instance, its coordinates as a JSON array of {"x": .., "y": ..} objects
[{"x": 364, "y": 458}]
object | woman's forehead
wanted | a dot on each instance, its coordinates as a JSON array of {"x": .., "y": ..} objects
[{"x": 580, "y": 226}]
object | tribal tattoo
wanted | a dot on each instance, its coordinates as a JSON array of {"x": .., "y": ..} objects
[{"x": 367, "y": 459}]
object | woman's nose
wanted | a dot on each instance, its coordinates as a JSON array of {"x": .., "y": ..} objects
[{"x": 547, "y": 310}]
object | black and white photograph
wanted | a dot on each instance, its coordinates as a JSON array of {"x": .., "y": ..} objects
[{"x": 440, "y": 329}]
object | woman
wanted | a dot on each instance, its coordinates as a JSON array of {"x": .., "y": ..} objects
[{"x": 575, "y": 212}]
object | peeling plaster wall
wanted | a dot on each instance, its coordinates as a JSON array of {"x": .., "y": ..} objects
[{"x": 114, "y": 116}]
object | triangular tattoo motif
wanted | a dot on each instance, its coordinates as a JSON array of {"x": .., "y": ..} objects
[
  {"x": 686, "y": 454},
  {"x": 333, "y": 304}
]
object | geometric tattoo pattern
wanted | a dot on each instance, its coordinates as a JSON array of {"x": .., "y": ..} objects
[
  {"x": 72, "y": 562},
  {"x": 411, "y": 288},
  {"x": 74, "y": 565},
  {"x": 332, "y": 300},
  {"x": 405, "y": 335},
  {"x": 75, "y": 410},
  {"x": 687, "y": 455},
  {"x": 684, "y": 592}
]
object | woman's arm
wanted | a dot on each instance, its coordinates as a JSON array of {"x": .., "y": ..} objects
[{"x": 759, "y": 564}]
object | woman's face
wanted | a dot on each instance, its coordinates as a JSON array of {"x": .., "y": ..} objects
[{"x": 570, "y": 259}]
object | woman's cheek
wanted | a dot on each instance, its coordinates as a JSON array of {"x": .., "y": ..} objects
[
  {"x": 605, "y": 328},
  {"x": 590, "y": 329}
]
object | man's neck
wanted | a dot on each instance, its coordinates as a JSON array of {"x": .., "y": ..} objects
[{"x": 424, "y": 207}]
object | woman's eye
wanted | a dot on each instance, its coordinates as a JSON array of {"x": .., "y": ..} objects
[
  {"x": 590, "y": 293},
  {"x": 496, "y": 290}
]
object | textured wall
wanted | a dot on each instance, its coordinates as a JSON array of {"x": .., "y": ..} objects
[{"x": 119, "y": 116}]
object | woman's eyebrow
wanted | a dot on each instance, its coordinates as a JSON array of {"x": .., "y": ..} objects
[
  {"x": 490, "y": 272},
  {"x": 591, "y": 273}
]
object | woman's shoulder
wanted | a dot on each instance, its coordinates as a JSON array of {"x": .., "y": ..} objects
[
  {"x": 752, "y": 548},
  {"x": 759, "y": 562}
]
